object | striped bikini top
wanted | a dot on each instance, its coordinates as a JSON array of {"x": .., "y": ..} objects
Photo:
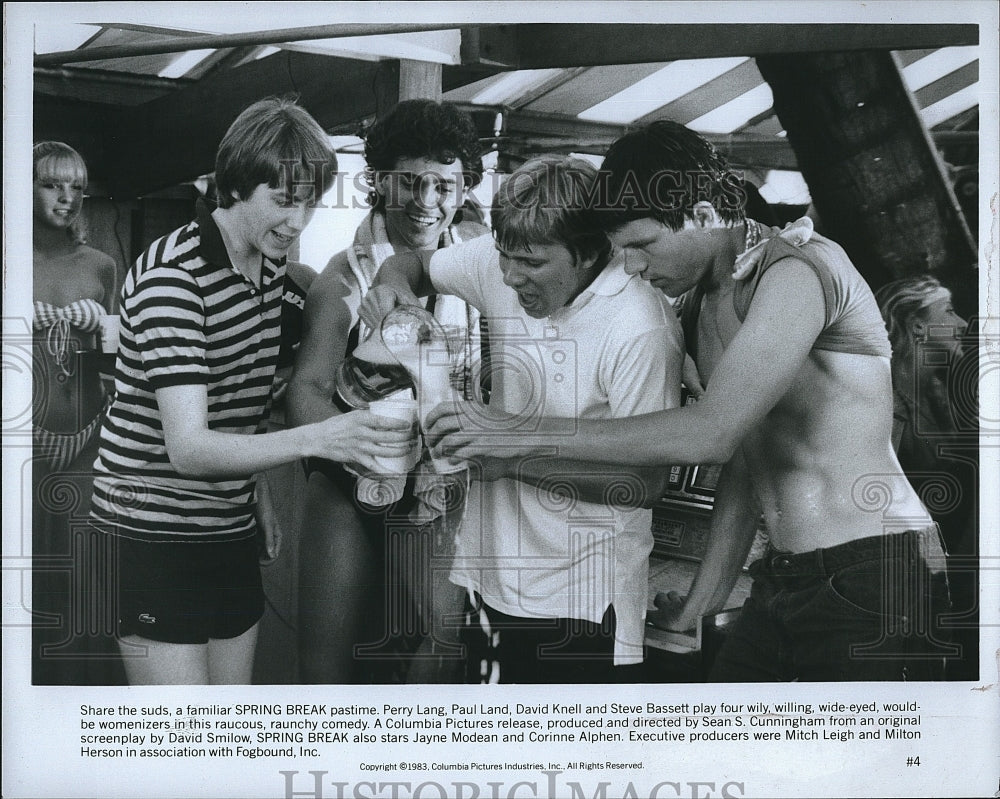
[{"x": 84, "y": 315}]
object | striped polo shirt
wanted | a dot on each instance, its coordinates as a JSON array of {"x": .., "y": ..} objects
[{"x": 188, "y": 316}]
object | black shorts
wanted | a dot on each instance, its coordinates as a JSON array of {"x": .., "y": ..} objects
[{"x": 187, "y": 593}]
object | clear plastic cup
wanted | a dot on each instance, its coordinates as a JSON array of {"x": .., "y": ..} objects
[
  {"x": 404, "y": 408},
  {"x": 441, "y": 464},
  {"x": 434, "y": 381},
  {"x": 414, "y": 339}
]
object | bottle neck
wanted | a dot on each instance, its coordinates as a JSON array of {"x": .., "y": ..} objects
[{"x": 360, "y": 382}]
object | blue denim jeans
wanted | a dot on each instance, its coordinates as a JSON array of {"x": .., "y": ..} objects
[{"x": 869, "y": 609}]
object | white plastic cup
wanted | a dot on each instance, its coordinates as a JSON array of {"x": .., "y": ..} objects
[
  {"x": 404, "y": 408},
  {"x": 110, "y": 325}
]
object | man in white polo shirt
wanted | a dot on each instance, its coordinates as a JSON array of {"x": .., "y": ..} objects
[{"x": 555, "y": 558}]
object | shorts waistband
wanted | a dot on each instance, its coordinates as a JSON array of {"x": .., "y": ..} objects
[{"x": 922, "y": 544}]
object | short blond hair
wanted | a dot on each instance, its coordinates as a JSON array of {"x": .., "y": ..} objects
[{"x": 550, "y": 200}]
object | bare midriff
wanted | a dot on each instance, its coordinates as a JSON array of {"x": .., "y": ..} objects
[{"x": 821, "y": 463}]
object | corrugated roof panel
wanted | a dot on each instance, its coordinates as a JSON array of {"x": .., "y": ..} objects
[
  {"x": 650, "y": 94},
  {"x": 562, "y": 77},
  {"x": 948, "y": 85},
  {"x": 592, "y": 87},
  {"x": 907, "y": 57},
  {"x": 464, "y": 94},
  {"x": 57, "y": 38},
  {"x": 937, "y": 64},
  {"x": 950, "y": 106},
  {"x": 438, "y": 47},
  {"x": 184, "y": 63},
  {"x": 137, "y": 65},
  {"x": 771, "y": 126},
  {"x": 711, "y": 94},
  {"x": 512, "y": 85},
  {"x": 736, "y": 113}
]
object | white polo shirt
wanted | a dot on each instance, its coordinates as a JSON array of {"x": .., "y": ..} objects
[{"x": 615, "y": 351}]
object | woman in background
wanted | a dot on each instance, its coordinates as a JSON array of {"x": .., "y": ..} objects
[
  {"x": 74, "y": 286},
  {"x": 937, "y": 455}
]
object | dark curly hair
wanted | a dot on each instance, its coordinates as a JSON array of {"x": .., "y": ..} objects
[
  {"x": 423, "y": 129},
  {"x": 661, "y": 171}
]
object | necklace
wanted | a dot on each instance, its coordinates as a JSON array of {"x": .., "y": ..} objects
[
  {"x": 745, "y": 260},
  {"x": 753, "y": 236}
]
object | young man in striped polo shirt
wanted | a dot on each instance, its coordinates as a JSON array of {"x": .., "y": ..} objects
[{"x": 200, "y": 335}]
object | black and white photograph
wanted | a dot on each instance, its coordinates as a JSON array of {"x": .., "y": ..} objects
[{"x": 467, "y": 400}]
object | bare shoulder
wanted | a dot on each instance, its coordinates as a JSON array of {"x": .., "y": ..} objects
[
  {"x": 335, "y": 281},
  {"x": 331, "y": 304},
  {"x": 302, "y": 274}
]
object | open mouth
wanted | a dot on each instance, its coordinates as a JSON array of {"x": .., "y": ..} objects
[
  {"x": 423, "y": 221},
  {"x": 282, "y": 240}
]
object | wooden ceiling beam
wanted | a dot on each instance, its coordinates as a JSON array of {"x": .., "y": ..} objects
[
  {"x": 540, "y": 46},
  {"x": 529, "y": 123}
]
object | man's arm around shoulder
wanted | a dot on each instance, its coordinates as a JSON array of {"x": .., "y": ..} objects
[{"x": 756, "y": 370}]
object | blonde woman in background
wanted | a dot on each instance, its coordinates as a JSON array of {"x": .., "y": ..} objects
[
  {"x": 74, "y": 286},
  {"x": 937, "y": 451}
]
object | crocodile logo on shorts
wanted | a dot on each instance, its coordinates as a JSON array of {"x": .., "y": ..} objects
[{"x": 146, "y": 618}]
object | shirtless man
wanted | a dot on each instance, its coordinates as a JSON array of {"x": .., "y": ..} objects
[{"x": 798, "y": 407}]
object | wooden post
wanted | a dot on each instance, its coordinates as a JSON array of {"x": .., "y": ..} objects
[
  {"x": 419, "y": 79},
  {"x": 406, "y": 80},
  {"x": 875, "y": 178}
]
